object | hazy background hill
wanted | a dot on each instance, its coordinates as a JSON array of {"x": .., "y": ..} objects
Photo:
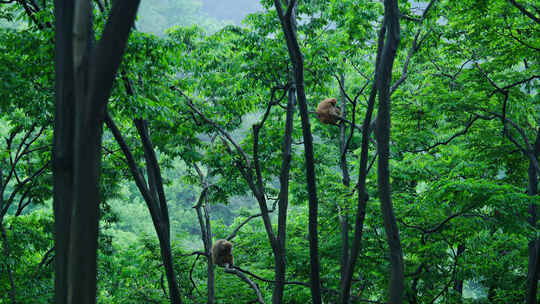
[
  {"x": 230, "y": 11},
  {"x": 159, "y": 15}
]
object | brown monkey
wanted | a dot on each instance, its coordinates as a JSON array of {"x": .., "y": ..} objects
[
  {"x": 328, "y": 112},
  {"x": 222, "y": 253}
]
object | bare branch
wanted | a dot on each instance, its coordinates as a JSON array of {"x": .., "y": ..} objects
[
  {"x": 190, "y": 103},
  {"x": 410, "y": 18},
  {"x": 244, "y": 222},
  {"x": 139, "y": 179},
  {"x": 20, "y": 185},
  {"x": 525, "y": 11},
  {"x": 445, "y": 142},
  {"x": 248, "y": 281},
  {"x": 438, "y": 226},
  {"x": 270, "y": 281},
  {"x": 414, "y": 47},
  {"x": 44, "y": 259},
  {"x": 191, "y": 275},
  {"x": 520, "y": 82}
]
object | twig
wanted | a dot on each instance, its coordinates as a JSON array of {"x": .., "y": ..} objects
[
  {"x": 414, "y": 47},
  {"x": 191, "y": 275},
  {"x": 269, "y": 281},
  {"x": 44, "y": 259},
  {"x": 190, "y": 103},
  {"x": 525, "y": 11},
  {"x": 248, "y": 281},
  {"x": 445, "y": 142},
  {"x": 235, "y": 231}
]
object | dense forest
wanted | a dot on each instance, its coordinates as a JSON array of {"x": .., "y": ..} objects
[{"x": 350, "y": 151}]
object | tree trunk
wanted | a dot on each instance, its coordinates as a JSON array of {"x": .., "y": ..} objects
[
  {"x": 166, "y": 256},
  {"x": 210, "y": 265},
  {"x": 84, "y": 77},
  {"x": 458, "y": 284},
  {"x": 346, "y": 281},
  {"x": 159, "y": 203},
  {"x": 206, "y": 234},
  {"x": 534, "y": 245},
  {"x": 280, "y": 253},
  {"x": 153, "y": 196},
  {"x": 295, "y": 54},
  {"x": 64, "y": 125},
  {"x": 82, "y": 251},
  {"x": 383, "y": 78},
  {"x": 346, "y": 180}
]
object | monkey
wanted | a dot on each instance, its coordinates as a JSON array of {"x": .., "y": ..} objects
[
  {"x": 222, "y": 253},
  {"x": 327, "y": 111}
]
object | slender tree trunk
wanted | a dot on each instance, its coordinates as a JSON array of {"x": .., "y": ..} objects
[
  {"x": 153, "y": 195},
  {"x": 534, "y": 245},
  {"x": 159, "y": 202},
  {"x": 458, "y": 284},
  {"x": 346, "y": 282},
  {"x": 288, "y": 24},
  {"x": 346, "y": 180},
  {"x": 383, "y": 78},
  {"x": 206, "y": 233},
  {"x": 315, "y": 281},
  {"x": 281, "y": 253},
  {"x": 208, "y": 246}
]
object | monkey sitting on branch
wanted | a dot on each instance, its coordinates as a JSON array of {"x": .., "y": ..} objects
[
  {"x": 327, "y": 111},
  {"x": 222, "y": 253}
]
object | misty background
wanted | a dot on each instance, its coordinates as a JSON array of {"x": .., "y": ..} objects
[{"x": 157, "y": 16}]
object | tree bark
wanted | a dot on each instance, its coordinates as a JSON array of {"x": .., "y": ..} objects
[
  {"x": 288, "y": 24},
  {"x": 280, "y": 254},
  {"x": 458, "y": 284},
  {"x": 161, "y": 222},
  {"x": 153, "y": 196},
  {"x": 345, "y": 178},
  {"x": 84, "y": 77},
  {"x": 206, "y": 232},
  {"x": 210, "y": 265},
  {"x": 345, "y": 292},
  {"x": 64, "y": 125},
  {"x": 534, "y": 245},
  {"x": 383, "y": 79}
]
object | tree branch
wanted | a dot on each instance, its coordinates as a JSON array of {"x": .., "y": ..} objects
[
  {"x": 414, "y": 47},
  {"x": 107, "y": 55},
  {"x": 190, "y": 103},
  {"x": 462, "y": 132},
  {"x": 251, "y": 284},
  {"x": 139, "y": 180},
  {"x": 525, "y": 11}
]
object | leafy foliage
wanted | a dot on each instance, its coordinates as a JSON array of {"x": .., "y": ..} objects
[{"x": 465, "y": 119}]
